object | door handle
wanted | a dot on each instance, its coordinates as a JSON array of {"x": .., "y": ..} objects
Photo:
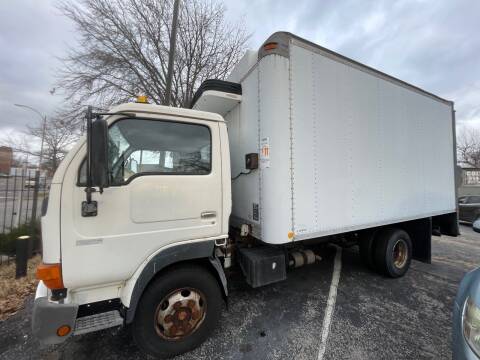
[{"x": 208, "y": 214}]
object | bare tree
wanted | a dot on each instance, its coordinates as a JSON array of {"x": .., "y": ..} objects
[
  {"x": 468, "y": 147},
  {"x": 59, "y": 137},
  {"x": 124, "y": 44}
]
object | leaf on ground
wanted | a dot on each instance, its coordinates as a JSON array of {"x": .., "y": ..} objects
[{"x": 14, "y": 291}]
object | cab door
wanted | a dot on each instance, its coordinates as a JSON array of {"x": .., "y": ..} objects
[{"x": 165, "y": 188}]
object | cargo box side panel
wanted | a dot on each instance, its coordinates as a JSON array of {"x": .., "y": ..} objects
[
  {"x": 304, "y": 137},
  {"x": 243, "y": 133},
  {"x": 275, "y": 174},
  {"x": 329, "y": 141},
  {"x": 439, "y": 163},
  {"x": 366, "y": 151}
]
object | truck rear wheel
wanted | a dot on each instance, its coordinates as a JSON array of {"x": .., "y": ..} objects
[
  {"x": 177, "y": 312},
  {"x": 393, "y": 252}
]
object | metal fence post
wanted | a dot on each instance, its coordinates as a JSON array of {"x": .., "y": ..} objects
[
  {"x": 18, "y": 218},
  {"x": 21, "y": 256},
  {"x": 33, "y": 219},
  {"x": 17, "y": 207},
  {"x": 5, "y": 205},
  {"x": 14, "y": 204},
  {"x": 27, "y": 198}
]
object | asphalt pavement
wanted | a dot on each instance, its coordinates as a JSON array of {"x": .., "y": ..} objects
[{"x": 373, "y": 318}]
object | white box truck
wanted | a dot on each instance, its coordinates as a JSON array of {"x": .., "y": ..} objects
[{"x": 301, "y": 145}]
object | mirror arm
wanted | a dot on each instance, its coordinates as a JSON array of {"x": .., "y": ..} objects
[
  {"x": 88, "y": 189},
  {"x": 89, "y": 207},
  {"x": 88, "y": 192}
]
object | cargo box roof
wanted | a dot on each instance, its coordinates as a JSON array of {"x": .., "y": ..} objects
[{"x": 284, "y": 39}]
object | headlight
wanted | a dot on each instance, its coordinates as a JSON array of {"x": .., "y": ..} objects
[{"x": 471, "y": 325}]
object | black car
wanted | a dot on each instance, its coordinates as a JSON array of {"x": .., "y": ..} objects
[{"x": 469, "y": 208}]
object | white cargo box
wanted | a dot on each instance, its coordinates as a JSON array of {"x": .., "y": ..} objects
[{"x": 342, "y": 146}]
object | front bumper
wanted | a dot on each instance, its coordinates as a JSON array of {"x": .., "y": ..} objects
[{"x": 49, "y": 316}]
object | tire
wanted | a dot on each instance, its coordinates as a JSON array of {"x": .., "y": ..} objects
[
  {"x": 365, "y": 245},
  {"x": 392, "y": 252},
  {"x": 189, "y": 323}
]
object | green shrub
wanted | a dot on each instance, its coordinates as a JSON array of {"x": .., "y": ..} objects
[{"x": 8, "y": 240}]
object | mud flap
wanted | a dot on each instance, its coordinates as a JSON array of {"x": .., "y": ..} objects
[{"x": 420, "y": 232}]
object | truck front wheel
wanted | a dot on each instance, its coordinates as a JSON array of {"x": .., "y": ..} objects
[
  {"x": 177, "y": 312},
  {"x": 393, "y": 252}
]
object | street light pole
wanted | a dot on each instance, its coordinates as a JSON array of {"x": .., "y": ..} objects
[
  {"x": 43, "y": 141},
  {"x": 44, "y": 125},
  {"x": 171, "y": 54}
]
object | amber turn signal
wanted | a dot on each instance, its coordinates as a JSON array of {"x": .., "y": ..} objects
[
  {"x": 51, "y": 275},
  {"x": 63, "y": 330}
]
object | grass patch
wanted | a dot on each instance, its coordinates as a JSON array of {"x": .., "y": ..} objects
[{"x": 14, "y": 291}]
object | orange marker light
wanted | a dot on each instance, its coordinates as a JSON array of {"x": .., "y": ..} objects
[
  {"x": 290, "y": 235},
  {"x": 270, "y": 46},
  {"x": 142, "y": 99},
  {"x": 63, "y": 330},
  {"x": 51, "y": 275}
]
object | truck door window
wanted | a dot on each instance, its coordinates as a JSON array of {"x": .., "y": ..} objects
[{"x": 144, "y": 147}]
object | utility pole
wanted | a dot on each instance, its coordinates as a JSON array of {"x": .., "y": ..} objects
[{"x": 171, "y": 54}]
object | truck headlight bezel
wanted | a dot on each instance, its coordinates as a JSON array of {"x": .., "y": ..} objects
[{"x": 471, "y": 325}]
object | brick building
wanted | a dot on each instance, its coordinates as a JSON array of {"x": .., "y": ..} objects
[{"x": 6, "y": 158}]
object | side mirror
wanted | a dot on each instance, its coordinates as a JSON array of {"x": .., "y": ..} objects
[
  {"x": 476, "y": 226},
  {"x": 97, "y": 161},
  {"x": 98, "y": 154}
]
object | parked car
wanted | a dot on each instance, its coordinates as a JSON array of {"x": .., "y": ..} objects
[
  {"x": 30, "y": 183},
  {"x": 469, "y": 208},
  {"x": 466, "y": 315}
]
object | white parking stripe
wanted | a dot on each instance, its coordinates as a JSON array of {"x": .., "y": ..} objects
[{"x": 332, "y": 297}]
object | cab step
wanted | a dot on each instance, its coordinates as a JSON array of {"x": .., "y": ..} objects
[{"x": 97, "y": 322}]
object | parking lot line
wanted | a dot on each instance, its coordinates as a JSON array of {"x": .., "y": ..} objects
[{"x": 332, "y": 297}]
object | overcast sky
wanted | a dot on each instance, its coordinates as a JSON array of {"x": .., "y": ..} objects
[{"x": 434, "y": 44}]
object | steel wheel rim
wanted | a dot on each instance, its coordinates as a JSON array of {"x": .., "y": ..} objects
[
  {"x": 180, "y": 313},
  {"x": 400, "y": 253}
]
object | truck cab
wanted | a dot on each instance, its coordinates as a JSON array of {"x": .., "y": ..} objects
[{"x": 162, "y": 204}]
